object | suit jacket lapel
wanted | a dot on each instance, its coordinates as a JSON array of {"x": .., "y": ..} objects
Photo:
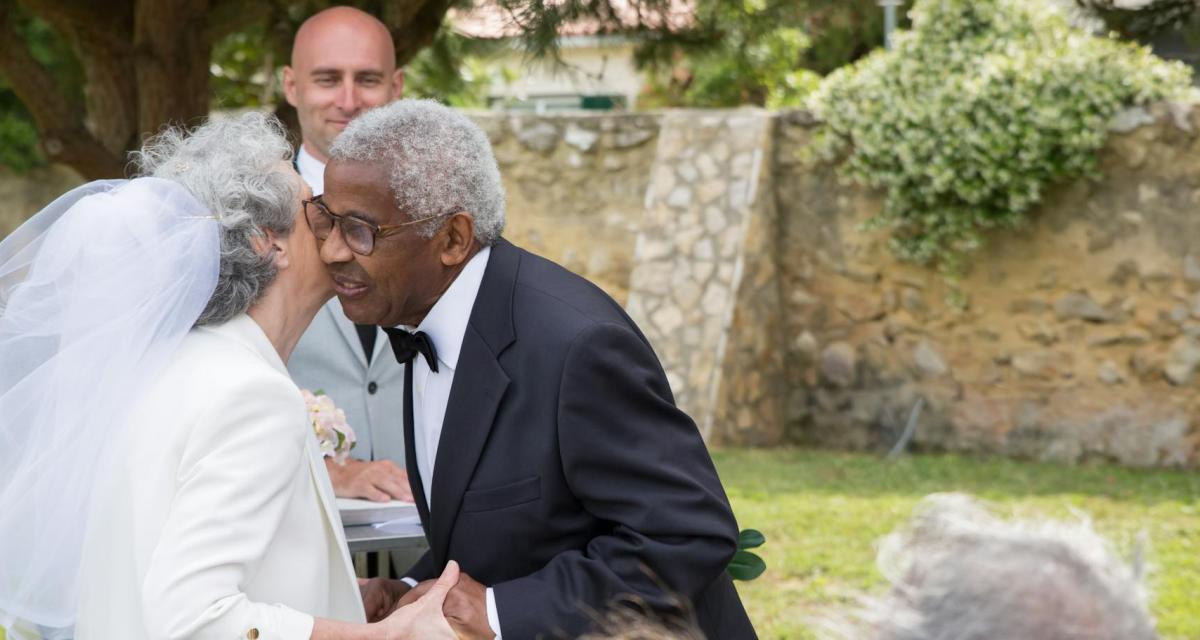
[{"x": 479, "y": 386}]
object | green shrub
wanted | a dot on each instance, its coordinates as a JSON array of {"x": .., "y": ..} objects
[{"x": 975, "y": 112}]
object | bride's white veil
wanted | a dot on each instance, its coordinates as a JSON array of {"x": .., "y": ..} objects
[{"x": 96, "y": 292}]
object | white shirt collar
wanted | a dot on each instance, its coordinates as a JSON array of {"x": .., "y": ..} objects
[
  {"x": 446, "y": 322},
  {"x": 312, "y": 170}
]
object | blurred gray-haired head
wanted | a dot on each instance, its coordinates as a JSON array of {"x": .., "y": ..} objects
[
  {"x": 958, "y": 572},
  {"x": 437, "y": 159},
  {"x": 232, "y": 165}
]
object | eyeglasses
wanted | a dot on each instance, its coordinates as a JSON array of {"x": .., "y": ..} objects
[{"x": 359, "y": 234}]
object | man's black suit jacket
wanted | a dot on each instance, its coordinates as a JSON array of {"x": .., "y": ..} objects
[{"x": 566, "y": 478}]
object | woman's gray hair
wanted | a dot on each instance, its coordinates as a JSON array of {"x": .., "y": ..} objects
[
  {"x": 438, "y": 161},
  {"x": 232, "y": 165},
  {"x": 959, "y": 572}
]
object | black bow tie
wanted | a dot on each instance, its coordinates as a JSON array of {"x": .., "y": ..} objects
[{"x": 407, "y": 345}]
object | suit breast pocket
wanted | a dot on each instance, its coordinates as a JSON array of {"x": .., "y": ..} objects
[{"x": 503, "y": 496}]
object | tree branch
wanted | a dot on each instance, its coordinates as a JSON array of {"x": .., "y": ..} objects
[
  {"x": 227, "y": 16},
  {"x": 59, "y": 120},
  {"x": 112, "y": 18},
  {"x": 420, "y": 31}
]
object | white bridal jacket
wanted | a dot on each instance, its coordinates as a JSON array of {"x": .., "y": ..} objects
[{"x": 219, "y": 521}]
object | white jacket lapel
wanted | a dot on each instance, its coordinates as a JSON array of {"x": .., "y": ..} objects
[{"x": 333, "y": 519}]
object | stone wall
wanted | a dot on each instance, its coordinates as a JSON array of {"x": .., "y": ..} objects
[
  {"x": 576, "y": 187},
  {"x": 704, "y": 287},
  {"x": 24, "y": 194},
  {"x": 1078, "y": 337},
  {"x": 779, "y": 319}
]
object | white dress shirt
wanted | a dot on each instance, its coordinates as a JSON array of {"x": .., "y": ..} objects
[
  {"x": 312, "y": 170},
  {"x": 446, "y": 324}
]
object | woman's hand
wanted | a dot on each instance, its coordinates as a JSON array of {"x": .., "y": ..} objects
[{"x": 423, "y": 619}]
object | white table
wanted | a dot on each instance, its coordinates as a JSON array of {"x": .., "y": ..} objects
[
  {"x": 398, "y": 528},
  {"x": 369, "y": 538}
]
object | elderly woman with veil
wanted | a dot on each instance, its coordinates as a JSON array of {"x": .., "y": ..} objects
[{"x": 158, "y": 474}]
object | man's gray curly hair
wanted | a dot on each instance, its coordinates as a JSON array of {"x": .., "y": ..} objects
[
  {"x": 232, "y": 165},
  {"x": 437, "y": 159},
  {"x": 958, "y": 572}
]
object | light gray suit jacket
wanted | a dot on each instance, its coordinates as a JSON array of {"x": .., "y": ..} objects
[{"x": 330, "y": 358}]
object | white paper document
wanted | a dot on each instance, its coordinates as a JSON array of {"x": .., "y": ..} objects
[{"x": 359, "y": 512}]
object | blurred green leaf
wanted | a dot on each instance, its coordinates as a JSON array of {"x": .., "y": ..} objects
[
  {"x": 750, "y": 539},
  {"x": 746, "y": 566}
]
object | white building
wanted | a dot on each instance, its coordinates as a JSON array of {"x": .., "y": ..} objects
[{"x": 596, "y": 70}]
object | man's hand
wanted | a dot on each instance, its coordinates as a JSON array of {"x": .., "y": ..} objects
[
  {"x": 424, "y": 619},
  {"x": 414, "y": 593},
  {"x": 466, "y": 609},
  {"x": 380, "y": 596},
  {"x": 380, "y": 480}
]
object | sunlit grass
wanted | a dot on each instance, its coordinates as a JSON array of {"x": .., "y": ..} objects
[{"x": 821, "y": 512}]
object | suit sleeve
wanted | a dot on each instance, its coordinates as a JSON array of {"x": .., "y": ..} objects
[
  {"x": 422, "y": 569},
  {"x": 235, "y": 481},
  {"x": 637, "y": 463}
]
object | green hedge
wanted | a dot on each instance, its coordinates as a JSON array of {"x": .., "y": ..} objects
[{"x": 976, "y": 111}]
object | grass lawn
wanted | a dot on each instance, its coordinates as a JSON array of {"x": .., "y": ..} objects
[{"x": 822, "y": 510}]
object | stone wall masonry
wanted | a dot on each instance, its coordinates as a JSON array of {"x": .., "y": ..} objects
[
  {"x": 575, "y": 187},
  {"x": 1080, "y": 335},
  {"x": 704, "y": 286}
]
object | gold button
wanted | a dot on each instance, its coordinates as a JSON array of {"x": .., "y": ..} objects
[{"x": 252, "y": 634}]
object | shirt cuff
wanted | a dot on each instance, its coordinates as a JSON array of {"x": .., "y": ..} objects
[
  {"x": 493, "y": 617},
  {"x": 408, "y": 581}
]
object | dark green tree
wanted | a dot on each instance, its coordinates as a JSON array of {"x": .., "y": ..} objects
[
  {"x": 1144, "y": 21},
  {"x": 761, "y": 52}
]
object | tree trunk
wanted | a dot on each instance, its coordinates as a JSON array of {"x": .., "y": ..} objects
[
  {"x": 111, "y": 92},
  {"x": 419, "y": 28},
  {"x": 171, "y": 62}
]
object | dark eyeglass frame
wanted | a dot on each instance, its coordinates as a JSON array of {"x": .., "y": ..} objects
[{"x": 377, "y": 230}]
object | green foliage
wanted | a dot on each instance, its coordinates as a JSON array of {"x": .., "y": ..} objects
[
  {"x": 744, "y": 52},
  {"x": 451, "y": 70},
  {"x": 977, "y": 110},
  {"x": 245, "y": 69},
  {"x": 764, "y": 52},
  {"x": 842, "y": 31},
  {"x": 823, "y": 511},
  {"x": 18, "y": 139},
  {"x": 745, "y": 564}
]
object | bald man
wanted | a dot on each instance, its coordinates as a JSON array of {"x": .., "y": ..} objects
[{"x": 344, "y": 63}]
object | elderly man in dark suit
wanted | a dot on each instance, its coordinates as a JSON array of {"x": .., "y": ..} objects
[{"x": 543, "y": 445}]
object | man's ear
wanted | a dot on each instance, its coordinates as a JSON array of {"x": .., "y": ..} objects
[
  {"x": 459, "y": 239},
  {"x": 270, "y": 243},
  {"x": 398, "y": 84},
  {"x": 289, "y": 85}
]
